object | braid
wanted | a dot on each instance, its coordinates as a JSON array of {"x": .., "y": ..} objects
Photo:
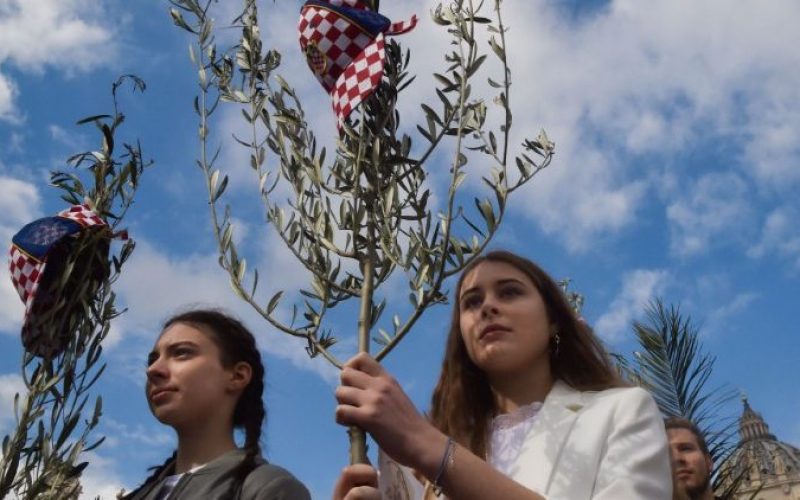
[
  {"x": 148, "y": 483},
  {"x": 250, "y": 414}
]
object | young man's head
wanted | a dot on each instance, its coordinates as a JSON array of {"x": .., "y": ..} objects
[{"x": 691, "y": 461}]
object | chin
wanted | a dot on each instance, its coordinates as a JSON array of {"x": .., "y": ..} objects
[
  {"x": 163, "y": 415},
  {"x": 491, "y": 357},
  {"x": 506, "y": 361},
  {"x": 691, "y": 486},
  {"x": 497, "y": 364}
]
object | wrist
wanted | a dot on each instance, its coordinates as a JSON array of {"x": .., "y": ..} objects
[{"x": 428, "y": 458}]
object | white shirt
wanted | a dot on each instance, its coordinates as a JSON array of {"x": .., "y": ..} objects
[
  {"x": 171, "y": 481},
  {"x": 508, "y": 434}
]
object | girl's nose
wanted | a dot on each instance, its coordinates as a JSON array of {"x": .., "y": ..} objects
[
  {"x": 156, "y": 369},
  {"x": 489, "y": 306}
]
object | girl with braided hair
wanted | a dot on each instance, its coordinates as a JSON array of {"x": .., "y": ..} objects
[{"x": 205, "y": 378}]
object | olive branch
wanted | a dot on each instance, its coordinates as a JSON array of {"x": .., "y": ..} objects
[
  {"x": 359, "y": 215},
  {"x": 55, "y": 418}
]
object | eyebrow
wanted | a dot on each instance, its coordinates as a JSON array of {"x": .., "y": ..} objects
[{"x": 496, "y": 283}]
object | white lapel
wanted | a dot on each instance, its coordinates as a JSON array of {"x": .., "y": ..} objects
[{"x": 549, "y": 432}]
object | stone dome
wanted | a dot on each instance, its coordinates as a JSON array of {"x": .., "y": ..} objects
[{"x": 764, "y": 463}]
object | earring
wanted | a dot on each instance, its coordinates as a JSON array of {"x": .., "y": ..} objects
[{"x": 557, "y": 339}]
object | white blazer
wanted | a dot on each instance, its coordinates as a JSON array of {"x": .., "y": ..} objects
[{"x": 606, "y": 445}]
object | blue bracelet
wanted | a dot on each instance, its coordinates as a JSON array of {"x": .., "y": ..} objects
[{"x": 446, "y": 458}]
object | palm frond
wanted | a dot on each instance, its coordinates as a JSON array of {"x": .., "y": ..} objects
[{"x": 673, "y": 367}]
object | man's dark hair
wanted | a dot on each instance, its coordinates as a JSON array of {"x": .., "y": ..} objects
[{"x": 685, "y": 423}]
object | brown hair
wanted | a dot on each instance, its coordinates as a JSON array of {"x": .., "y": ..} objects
[
  {"x": 685, "y": 423},
  {"x": 463, "y": 404}
]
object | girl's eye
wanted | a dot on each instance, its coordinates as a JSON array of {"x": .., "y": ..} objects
[
  {"x": 182, "y": 352},
  {"x": 510, "y": 292},
  {"x": 470, "y": 302}
]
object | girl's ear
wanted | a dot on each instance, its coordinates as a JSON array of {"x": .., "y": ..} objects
[{"x": 241, "y": 373}]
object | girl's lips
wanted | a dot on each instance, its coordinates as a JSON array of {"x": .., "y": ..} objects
[
  {"x": 491, "y": 335},
  {"x": 159, "y": 395},
  {"x": 492, "y": 332}
]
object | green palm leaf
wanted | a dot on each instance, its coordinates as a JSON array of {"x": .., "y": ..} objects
[{"x": 673, "y": 367}]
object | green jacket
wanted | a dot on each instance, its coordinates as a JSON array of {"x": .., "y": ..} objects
[{"x": 215, "y": 480}]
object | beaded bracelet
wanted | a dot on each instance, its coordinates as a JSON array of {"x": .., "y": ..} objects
[{"x": 447, "y": 459}]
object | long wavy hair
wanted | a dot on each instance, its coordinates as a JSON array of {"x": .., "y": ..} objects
[
  {"x": 463, "y": 403},
  {"x": 235, "y": 344}
]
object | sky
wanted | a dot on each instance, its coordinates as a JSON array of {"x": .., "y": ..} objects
[{"x": 676, "y": 175}]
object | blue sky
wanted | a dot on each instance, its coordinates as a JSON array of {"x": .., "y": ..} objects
[{"x": 677, "y": 174}]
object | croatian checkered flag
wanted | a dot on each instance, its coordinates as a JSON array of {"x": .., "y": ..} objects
[
  {"x": 344, "y": 45},
  {"x": 38, "y": 254}
]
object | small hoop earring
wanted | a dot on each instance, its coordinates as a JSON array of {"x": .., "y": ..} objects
[{"x": 557, "y": 339}]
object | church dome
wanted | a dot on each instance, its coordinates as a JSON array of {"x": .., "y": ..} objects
[{"x": 764, "y": 463}]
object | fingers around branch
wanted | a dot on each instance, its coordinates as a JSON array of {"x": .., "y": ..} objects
[
  {"x": 357, "y": 482},
  {"x": 353, "y": 377},
  {"x": 350, "y": 396},
  {"x": 365, "y": 363}
]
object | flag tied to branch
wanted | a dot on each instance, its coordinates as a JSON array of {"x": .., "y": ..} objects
[
  {"x": 343, "y": 41},
  {"x": 38, "y": 256}
]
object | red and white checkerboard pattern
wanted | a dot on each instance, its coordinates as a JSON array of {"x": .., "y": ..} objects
[
  {"x": 335, "y": 37},
  {"x": 359, "y": 79},
  {"x": 347, "y": 61},
  {"x": 83, "y": 215},
  {"x": 26, "y": 270},
  {"x": 401, "y": 27},
  {"x": 27, "y": 273}
]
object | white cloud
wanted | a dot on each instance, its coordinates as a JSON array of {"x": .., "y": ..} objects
[
  {"x": 641, "y": 80},
  {"x": 620, "y": 91},
  {"x": 721, "y": 318},
  {"x": 773, "y": 151},
  {"x": 100, "y": 478},
  {"x": 582, "y": 205},
  {"x": 10, "y": 385},
  {"x": 20, "y": 204},
  {"x": 120, "y": 434},
  {"x": 8, "y": 92},
  {"x": 70, "y": 35},
  {"x": 155, "y": 285},
  {"x": 16, "y": 141},
  {"x": 714, "y": 210},
  {"x": 780, "y": 235},
  {"x": 71, "y": 141},
  {"x": 638, "y": 288}
]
